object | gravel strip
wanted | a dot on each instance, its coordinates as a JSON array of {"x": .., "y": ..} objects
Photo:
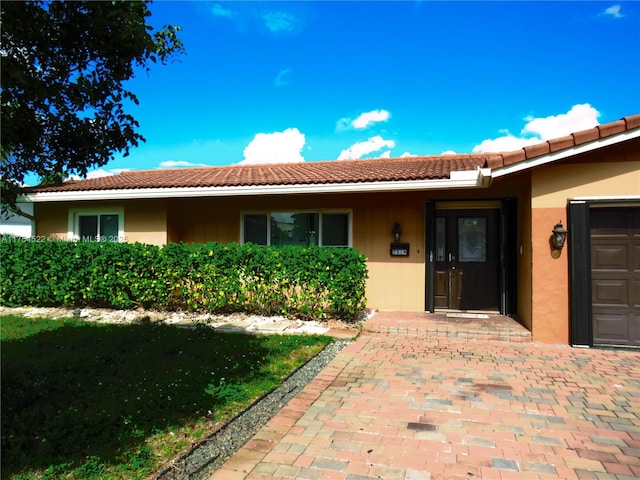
[{"x": 206, "y": 457}]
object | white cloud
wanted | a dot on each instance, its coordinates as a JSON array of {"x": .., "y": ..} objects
[
  {"x": 180, "y": 164},
  {"x": 277, "y": 147},
  {"x": 386, "y": 154},
  {"x": 279, "y": 21},
  {"x": 219, "y": 11},
  {"x": 448, "y": 152},
  {"x": 369, "y": 118},
  {"x": 506, "y": 143},
  {"x": 99, "y": 173},
  {"x": 580, "y": 117},
  {"x": 408, "y": 154},
  {"x": 364, "y": 120},
  {"x": 536, "y": 130},
  {"x": 614, "y": 11},
  {"x": 359, "y": 149},
  {"x": 280, "y": 80}
]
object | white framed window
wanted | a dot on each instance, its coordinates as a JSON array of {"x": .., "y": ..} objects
[
  {"x": 304, "y": 228},
  {"x": 102, "y": 224}
]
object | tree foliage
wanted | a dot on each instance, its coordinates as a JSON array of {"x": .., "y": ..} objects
[{"x": 64, "y": 68}]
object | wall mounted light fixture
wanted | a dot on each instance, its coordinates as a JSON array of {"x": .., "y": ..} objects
[
  {"x": 559, "y": 235},
  {"x": 396, "y": 231}
]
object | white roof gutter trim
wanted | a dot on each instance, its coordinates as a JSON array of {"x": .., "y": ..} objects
[
  {"x": 570, "y": 152},
  {"x": 464, "y": 179}
]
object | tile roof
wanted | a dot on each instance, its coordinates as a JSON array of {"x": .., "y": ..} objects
[
  {"x": 337, "y": 171},
  {"x": 575, "y": 139},
  {"x": 300, "y": 173}
]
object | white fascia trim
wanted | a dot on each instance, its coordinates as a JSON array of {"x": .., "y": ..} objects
[
  {"x": 465, "y": 179},
  {"x": 570, "y": 152}
]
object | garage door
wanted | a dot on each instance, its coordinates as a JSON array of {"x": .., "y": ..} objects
[{"x": 615, "y": 275}]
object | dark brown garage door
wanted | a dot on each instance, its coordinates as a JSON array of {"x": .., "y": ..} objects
[{"x": 615, "y": 275}]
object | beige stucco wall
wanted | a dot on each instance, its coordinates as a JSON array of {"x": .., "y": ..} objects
[
  {"x": 145, "y": 221},
  {"x": 551, "y": 188},
  {"x": 52, "y": 220}
]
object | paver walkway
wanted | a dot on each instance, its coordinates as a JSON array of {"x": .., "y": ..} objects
[{"x": 410, "y": 404}]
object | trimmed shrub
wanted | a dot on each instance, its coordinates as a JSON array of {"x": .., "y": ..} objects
[{"x": 308, "y": 283}]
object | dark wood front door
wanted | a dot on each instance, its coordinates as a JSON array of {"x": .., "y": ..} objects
[{"x": 466, "y": 260}]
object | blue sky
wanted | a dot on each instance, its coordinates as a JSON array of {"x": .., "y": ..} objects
[{"x": 307, "y": 81}]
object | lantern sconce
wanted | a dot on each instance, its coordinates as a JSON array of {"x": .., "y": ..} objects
[
  {"x": 559, "y": 235},
  {"x": 396, "y": 231}
]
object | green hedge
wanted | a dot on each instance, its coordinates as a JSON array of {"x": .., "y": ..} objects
[{"x": 309, "y": 283}]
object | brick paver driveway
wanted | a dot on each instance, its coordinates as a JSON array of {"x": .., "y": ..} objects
[{"x": 415, "y": 405}]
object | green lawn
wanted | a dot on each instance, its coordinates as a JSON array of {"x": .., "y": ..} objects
[{"x": 86, "y": 400}]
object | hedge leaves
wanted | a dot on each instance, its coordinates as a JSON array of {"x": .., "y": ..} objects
[{"x": 308, "y": 283}]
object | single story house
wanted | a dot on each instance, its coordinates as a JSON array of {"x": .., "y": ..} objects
[{"x": 466, "y": 232}]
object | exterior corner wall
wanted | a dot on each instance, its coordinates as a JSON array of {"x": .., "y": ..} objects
[
  {"x": 549, "y": 279},
  {"x": 551, "y": 188}
]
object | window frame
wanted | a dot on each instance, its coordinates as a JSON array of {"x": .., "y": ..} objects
[
  {"x": 320, "y": 212},
  {"x": 73, "y": 229}
]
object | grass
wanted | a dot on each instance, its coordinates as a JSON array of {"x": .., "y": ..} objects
[{"x": 84, "y": 400}]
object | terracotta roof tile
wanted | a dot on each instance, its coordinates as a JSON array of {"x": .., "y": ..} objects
[
  {"x": 537, "y": 150},
  {"x": 608, "y": 129},
  {"x": 585, "y": 136},
  {"x": 337, "y": 171},
  {"x": 513, "y": 157},
  {"x": 625, "y": 124},
  {"x": 561, "y": 143},
  {"x": 302, "y": 173},
  {"x": 632, "y": 121}
]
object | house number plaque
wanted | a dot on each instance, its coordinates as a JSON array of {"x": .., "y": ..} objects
[{"x": 399, "y": 249}]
